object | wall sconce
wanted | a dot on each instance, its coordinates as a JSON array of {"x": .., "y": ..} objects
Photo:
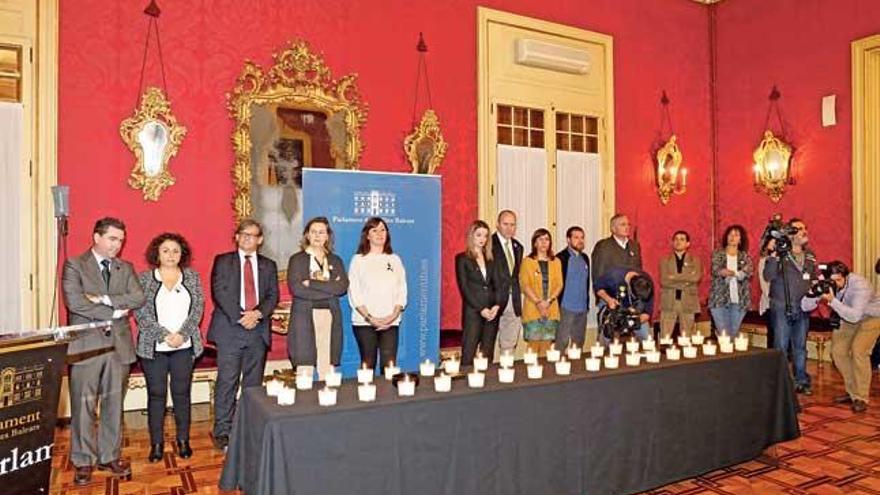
[
  {"x": 772, "y": 157},
  {"x": 671, "y": 176}
]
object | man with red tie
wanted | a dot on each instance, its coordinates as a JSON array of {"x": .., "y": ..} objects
[{"x": 244, "y": 289}]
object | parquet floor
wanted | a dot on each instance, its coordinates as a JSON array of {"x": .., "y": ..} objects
[{"x": 839, "y": 452}]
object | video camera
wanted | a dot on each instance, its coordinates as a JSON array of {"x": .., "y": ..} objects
[
  {"x": 621, "y": 321},
  {"x": 821, "y": 283},
  {"x": 780, "y": 231}
]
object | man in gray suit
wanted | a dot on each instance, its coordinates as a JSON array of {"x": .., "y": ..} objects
[
  {"x": 617, "y": 250},
  {"x": 98, "y": 286}
]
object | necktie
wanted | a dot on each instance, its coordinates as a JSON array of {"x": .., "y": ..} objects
[
  {"x": 105, "y": 273},
  {"x": 250, "y": 289},
  {"x": 509, "y": 256}
]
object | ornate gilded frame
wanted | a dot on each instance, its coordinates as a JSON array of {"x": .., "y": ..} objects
[
  {"x": 301, "y": 78},
  {"x": 774, "y": 187},
  {"x": 154, "y": 108},
  {"x": 669, "y": 160},
  {"x": 428, "y": 131}
]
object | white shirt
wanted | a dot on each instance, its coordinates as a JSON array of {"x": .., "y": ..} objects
[
  {"x": 254, "y": 263},
  {"x": 105, "y": 299},
  {"x": 378, "y": 282},
  {"x": 172, "y": 308},
  {"x": 732, "y": 281},
  {"x": 621, "y": 243}
]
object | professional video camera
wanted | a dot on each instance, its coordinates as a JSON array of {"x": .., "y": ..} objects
[
  {"x": 821, "y": 283},
  {"x": 621, "y": 321},
  {"x": 780, "y": 231}
]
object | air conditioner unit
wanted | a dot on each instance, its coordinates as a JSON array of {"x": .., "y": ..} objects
[{"x": 535, "y": 53}]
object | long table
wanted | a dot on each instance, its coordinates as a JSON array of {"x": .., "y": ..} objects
[{"x": 615, "y": 431}]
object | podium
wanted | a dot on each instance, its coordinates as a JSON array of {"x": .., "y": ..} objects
[{"x": 31, "y": 366}]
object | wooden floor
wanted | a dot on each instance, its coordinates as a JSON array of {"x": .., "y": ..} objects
[{"x": 839, "y": 452}]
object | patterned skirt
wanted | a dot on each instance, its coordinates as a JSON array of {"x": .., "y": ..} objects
[{"x": 540, "y": 329}]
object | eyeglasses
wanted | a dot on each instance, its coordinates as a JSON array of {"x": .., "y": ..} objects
[{"x": 250, "y": 235}]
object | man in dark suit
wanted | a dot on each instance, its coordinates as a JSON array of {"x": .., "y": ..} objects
[
  {"x": 244, "y": 289},
  {"x": 98, "y": 286},
  {"x": 508, "y": 253},
  {"x": 574, "y": 300},
  {"x": 617, "y": 250}
]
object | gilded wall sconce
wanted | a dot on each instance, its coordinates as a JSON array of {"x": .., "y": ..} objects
[
  {"x": 772, "y": 157},
  {"x": 671, "y": 177},
  {"x": 424, "y": 146}
]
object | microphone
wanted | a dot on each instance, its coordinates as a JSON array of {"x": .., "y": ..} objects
[{"x": 60, "y": 198}]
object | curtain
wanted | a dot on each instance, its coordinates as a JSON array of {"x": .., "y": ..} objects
[
  {"x": 11, "y": 138},
  {"x": 522, "y": 187}
]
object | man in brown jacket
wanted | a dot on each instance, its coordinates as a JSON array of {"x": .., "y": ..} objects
[{"x": 680, "y": 274}]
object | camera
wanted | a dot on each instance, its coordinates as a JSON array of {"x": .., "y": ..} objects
[
  {"x": 621, "y": 321},
  {"x": 780, "y": 231},
  {"x": 821, "y": 282}
]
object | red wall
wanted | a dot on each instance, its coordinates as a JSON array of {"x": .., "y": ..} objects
[
  {"x": 803, "y": 46},
  {"x": 657, "y": 45}
]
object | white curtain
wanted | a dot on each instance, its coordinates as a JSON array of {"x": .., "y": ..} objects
[
  {"x": 522, "y": 187},
  {"x": 579, "y": 201},
  {"x": 11, "y": 124}
]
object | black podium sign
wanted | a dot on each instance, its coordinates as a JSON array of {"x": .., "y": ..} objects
[{"x": 30, "y": 382}]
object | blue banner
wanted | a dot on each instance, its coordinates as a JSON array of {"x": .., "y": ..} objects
[{"x": 410, "y": 205}]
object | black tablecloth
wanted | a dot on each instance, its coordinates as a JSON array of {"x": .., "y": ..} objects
[{"x": 616, "y": 431}]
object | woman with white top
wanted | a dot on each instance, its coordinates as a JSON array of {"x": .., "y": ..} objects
[
  {"x": 731, "y": 293},
  {"x": 168, "y": 336},
  {"x": 377, "y": 293},
  {"x": 316, "y": 279}
]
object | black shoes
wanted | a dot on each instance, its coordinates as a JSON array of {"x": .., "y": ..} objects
[
  {"x": 117, "y": 468},
  {"x": 859, "y": 406},
  {"x": 82, "y": 475},
  {"x": 220, "y": 442},
  {"x": 803, "y": 389},
  {"x": 156, "y": 452},
  {"x": 183, "y": 449},
  {"x": 842, "y": 399}
]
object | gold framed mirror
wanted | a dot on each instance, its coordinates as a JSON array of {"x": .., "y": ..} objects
[
  {"x": 671, "y": 177},
  {"x": 293, "y": 115},
  {"x": 425, "y": 146},
  {"x": 154, "y": 136},
  {"x": 772, "y": 166}
]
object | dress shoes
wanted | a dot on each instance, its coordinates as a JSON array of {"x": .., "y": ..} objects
[
  {"x": 803, "y": 389},
  {"x": 842, "y": 399},
  {"x": 82, "y": 475},
  {"x": 859, "y": 406},
  {"x": 118, "y": 468},
  {"x": 183, "y": 449},
  {"x": 156, "y": 452},
  {"x": 220, "y": 442}
]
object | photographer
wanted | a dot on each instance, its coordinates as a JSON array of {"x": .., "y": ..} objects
[
  {"x": 639, "y": 294},
  {"x": 857, "y": 312},
  {"x": 787, "y": 269}
]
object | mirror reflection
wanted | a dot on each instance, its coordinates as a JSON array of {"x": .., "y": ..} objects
[{"x": 153, "y": 138}]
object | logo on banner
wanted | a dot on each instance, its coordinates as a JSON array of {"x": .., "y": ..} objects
[
  {"x": 375, "y": 203},
  {"x": 19, "y": 385}
]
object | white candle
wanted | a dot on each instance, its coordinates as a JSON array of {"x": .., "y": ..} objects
[
  {"x": 553, "y": 354},
  {"x": 597, "y": 350},
  {"x": 273, "y": 387},
  {"x": 406, "y": 387},
  {"x": 535, "y": 371},
  {"x": 615, "y": 348},
  {"x": 723, "y": 337},
  {"x": 506, "y": 359},
  {"x": 365, "y": 375},
  {"x": 286, "y": 396},
  {"x": 476, "y": 379},
  {"x": 649, "y": 344},
  {"x": 366, "y": 392},
  {"x": 530, "y": 357},
  {"x": 427, "y": 368},
  {"x": 481, "y": 363},
  {"x": 593, "y": 363},
  {"x": 633, "y": 359},
  {"x": 611, "y": 361},
  {"x": 673, "y": 353},
  {"x": 452, "y": 365},
  {"x": 697, "y": 339},
  {"x": 563, "y": 367},
  {"x": 726, "y": 347},
  {"x": 442, "y": 383},
  {"x": 327, "y": 397},
  {"x": 683, "y": 340},
  {"x": 741, "y": 343},
  {"x": 709, "y": 349},
  {"x": 304, "y": 381},
  {"x": 632, "y": 345},
  {"x": 689, "y": 352},
  {"x": 333, "y": 378},
  {"x": 391, "y": 370},
  {"x": 505, "y": 375},
  {"x": 573, "y": 352},
  {"x": 653, "y": 356}
]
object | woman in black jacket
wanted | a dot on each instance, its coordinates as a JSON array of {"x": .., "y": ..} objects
[
  {"x": 317, "y": 279},
  {"x": 475, "y": 274}
]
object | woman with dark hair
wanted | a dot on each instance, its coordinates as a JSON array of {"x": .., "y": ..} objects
[
  {"x": 169, "y": 340},
  {"x": 731, "y": 273},
  {"x": 540, "y": 277},
  {"x": 377, "y": 293},
  {"x": 317, "y": 279},
  {"x": 475, "y": 274}
]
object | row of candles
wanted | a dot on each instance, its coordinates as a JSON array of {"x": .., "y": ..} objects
[{"x": 687, "y": 347}]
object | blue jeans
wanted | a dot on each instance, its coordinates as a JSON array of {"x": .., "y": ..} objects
[
  {"x": 728, "y": 318},
  {"x": 792, "y": 331}
]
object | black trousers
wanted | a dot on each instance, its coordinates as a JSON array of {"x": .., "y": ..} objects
[
  {"x": 369, "y": 339},
  {"x": 179, "y": 365},
  {"x": 236, "y": 363},
  {"x": 477, "y": 331}
]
